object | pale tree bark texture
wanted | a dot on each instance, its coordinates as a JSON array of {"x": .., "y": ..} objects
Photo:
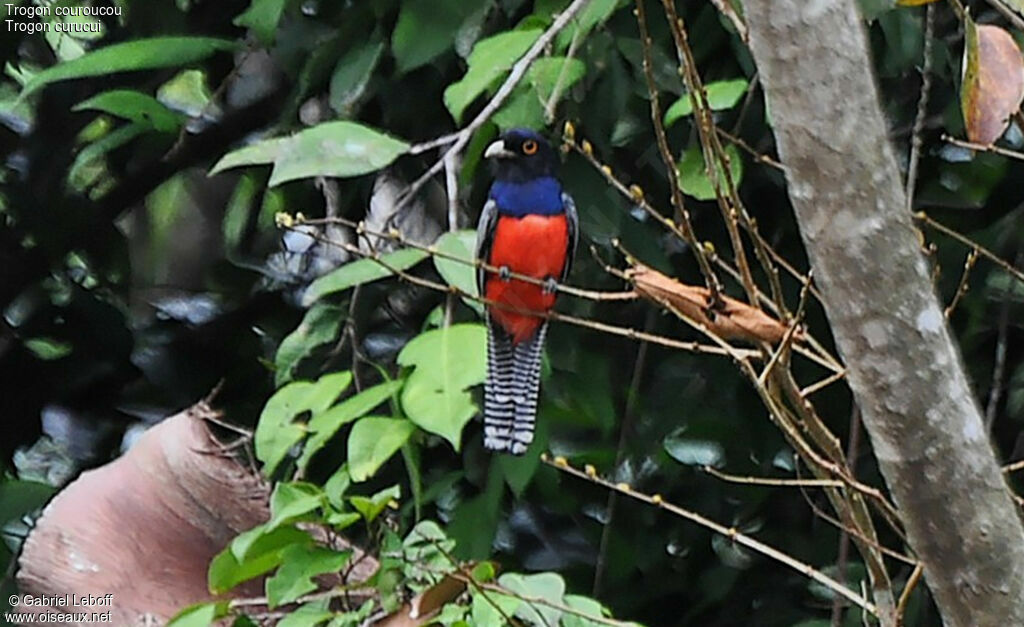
[{"x": 903, "y": 367}]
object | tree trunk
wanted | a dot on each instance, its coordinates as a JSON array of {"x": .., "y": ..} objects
[{"x": 904, "y": 370}]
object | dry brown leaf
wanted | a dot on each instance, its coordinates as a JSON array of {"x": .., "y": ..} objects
[
  {"x": 732, "y": 320},
  {"x": 423, "y": 607},
  {"x": 993, "y": 82}
]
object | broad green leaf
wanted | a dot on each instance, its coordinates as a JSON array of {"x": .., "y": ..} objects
[
  {"x": 292, "y": 501},
  {"x": 319, "y": 326},
  {"x": 543, "y": 585},
  {"x": 585, "y": 605},
  {"x": 18, "y": 498},
  {"x": 461, "y": 245},
  {"x": 141, "y": 54},
  {"x": 188, "y": 93},
  {"x": 353, "y": 73},
  {"x": 371, "y": 506},
  {"x": 526, "y": 106},
  {"x": 250, "y": 555},
  {"x": 200, "y": 614},
  {"x": 490, "y": 59},
  {"x": 307, "y": 615},
  {"x": 299, "y": 564},
  {"x": 425, "y": 29},
  {"x": 550, "y": 72},
  {"x": 523, "y": 109},
  {"x": 722, "y": 95},
  {"x": 475, "y": 521},
  {"x": 260, "y": 153},
  {"x": 595, "y": 13},
  {"x": 323, "y": 425},
  {"x": 82, "y": 172},
  {"x": 335, "y": 149},
  {"x": 372, "y": 442},
  {"x": 339, "y": 149},
  {"x": 447, "y": 362},
  {"x": 275, "y": 433},
  {"x": 694, "y": 180},
  {"x": 695, "y": 451},
  {"x": 336, "y": 487},
  {"x": 362, "y": 271},
  {"x": 262, "y": 17},
  {"x": 134, "y": 106},
  {"x": 482, "y": 608},
  {"x": 48, "y": 349}
]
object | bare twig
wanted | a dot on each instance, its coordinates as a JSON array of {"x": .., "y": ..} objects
[
  {"x": 922, "y": 105},
  {"x": 966, "y": 241},
  {"x": 963, "y": 285},
  {"x": 769, "y": 481},
  {"x": 687, "y": 232},
  {"x": 726, "y": 9},
  {"x": 729, "y": 532},
  {"x": 1005, "y": 152}
]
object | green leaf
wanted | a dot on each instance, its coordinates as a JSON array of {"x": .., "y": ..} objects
[
  {"x": 549, "y": 72},
  {"x": 461, "y": 245},
  {"x": 325, "y": 424},
  {"x": 475, "y": 521},
  {"x": 48, "y": 348},
  {"x": 339, "y": 149},
  {"x": 134, "y": 106},
  {"x": 353, "y": 73},
  {"x": 372, "y": 442},
  {"x": 523, "y": 109},
  {"x": 371, "y": 507},
  {"x": 307, "y": 615},
  {"x": 722, "y": 95},
  {"x": 299, "y": 564},
  {"x": 78, "y": 174},
  {"x": 319, "y": 326},
  {"x": 337, "y": 486},
  {"x": 362, "y": 271},
  {"x": 187, "y": 92},
  {"x": 200, "y": 614},
  {"x": 18, "y": 498},
  {"x": 292, "y": 501},
  {"x": 483, "y": 611},
  {"x": 262, "y": 539},
  {"x": 262, "y": 17},
  {"x": 447, "y": 361},
  {"x": 587, "y": 606},
  {"x": 425, "y": 29},
  {"x": 490, "y": 59},
  {"x": 695, "y": 451},
  {"x": 275, "y": 433},
  {"x": 141, "y": 54},
  {"x": 250, "y": 555},
  {"x": 526, "y": 105},
  {"x": 694, "y": 180},
  {"x": 593, "y": 14},
  {"x": 543, "y": 585}
]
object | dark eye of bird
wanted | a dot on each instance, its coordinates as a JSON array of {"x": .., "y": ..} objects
[{"x": 529, "y": 147}]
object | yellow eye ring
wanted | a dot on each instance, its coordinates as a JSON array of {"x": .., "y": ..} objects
[{"x": 530, "y": 147}]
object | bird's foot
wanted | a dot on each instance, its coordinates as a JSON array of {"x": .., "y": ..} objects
[
  {"x": 504, "y": 273},
  {"x": 550, "y": 285}
]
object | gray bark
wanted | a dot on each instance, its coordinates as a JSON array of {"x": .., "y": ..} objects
[{"x": 904, "y": 370}]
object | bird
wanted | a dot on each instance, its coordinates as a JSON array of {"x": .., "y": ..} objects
[{"x": 529, "y": 226}]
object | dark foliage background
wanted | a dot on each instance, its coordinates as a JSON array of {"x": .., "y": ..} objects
[{"x": 131, "y": 283}]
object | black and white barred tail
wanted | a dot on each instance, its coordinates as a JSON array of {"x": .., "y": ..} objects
[{"x": 511, "y": 389}]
